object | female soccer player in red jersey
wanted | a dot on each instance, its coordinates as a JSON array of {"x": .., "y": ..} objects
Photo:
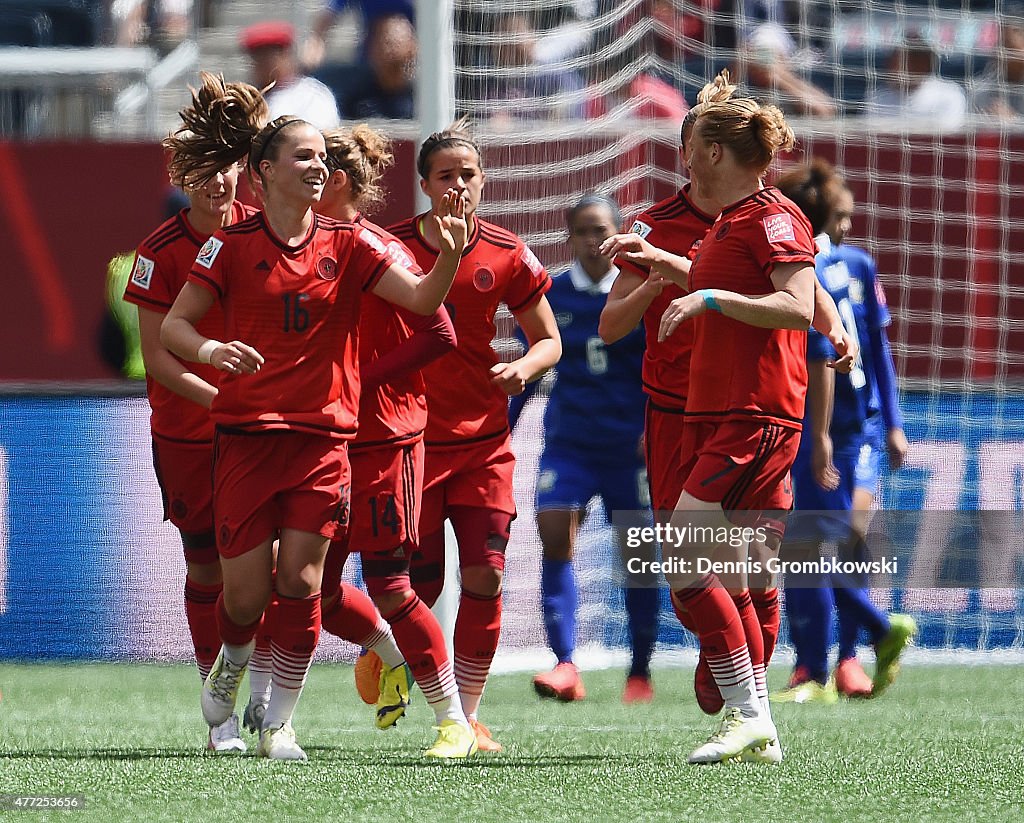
[
  {"x": 290, "y": 283},
  {"x": 468, "y": 471},
  {"x": 752, "y": 294},
  {"x": 387, "y": 457},
  {"x": 655, "y": 259},
  {"x": 180, "y": 395}
]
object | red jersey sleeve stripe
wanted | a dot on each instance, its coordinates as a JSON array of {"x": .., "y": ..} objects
[
  {"x": 145, "y": 302},
  {"x": 202, "y": 280},
  {"x": 533, "y": 297},
  {"x": 376, "y": 274}
]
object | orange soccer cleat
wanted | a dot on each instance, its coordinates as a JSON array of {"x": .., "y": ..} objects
[
  {"x": 562, "y": 683},
  {"x": 484, "y": 741},
  {"x": 709, "y": 698},
  {"x": 852, "y": 680},
  {"x": 367, "y": 674},
  {"x": 800, "y": 675},
  {"x": 638, "y": 689}
]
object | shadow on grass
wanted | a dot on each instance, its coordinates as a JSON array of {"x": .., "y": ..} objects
[
  {"x": 328, "y": 755},
  {"x": 105, "y": 754}
]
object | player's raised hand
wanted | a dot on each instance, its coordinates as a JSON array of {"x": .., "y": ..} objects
[
  {"x": 236, "y": 357},
  {"x": 509, "y": 377},
  {"x": 452, "y": 226},
  {"x": 631, "y": 247},
  {"x": 679, "y": 311},
  {"x": 846, "y": 347}
]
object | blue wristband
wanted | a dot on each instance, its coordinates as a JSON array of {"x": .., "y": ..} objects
[{"x": 709, "y": 300}]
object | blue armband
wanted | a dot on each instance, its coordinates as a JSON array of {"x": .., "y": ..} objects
[{"x": 709, "y": 300}]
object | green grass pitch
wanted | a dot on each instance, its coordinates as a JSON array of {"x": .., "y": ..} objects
[{"x": 945, "y": 744}]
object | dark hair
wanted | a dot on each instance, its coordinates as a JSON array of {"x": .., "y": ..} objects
[
  {"x": 364, "y": 155},
  {"x": 218, "y": 129},
  {"x": 814, "y": 187},
  {"x": 456, "y": 134},
  {"x": 224, "y": 125},
  {"x": 593, "y": 199}
]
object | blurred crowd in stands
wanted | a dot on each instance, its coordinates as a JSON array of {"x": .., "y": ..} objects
[{"x": 940, "y": 60}]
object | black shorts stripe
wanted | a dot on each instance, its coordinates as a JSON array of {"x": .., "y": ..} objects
[
  {"x": 409, "y": 495},
  {"x": 770, "y": 435}
]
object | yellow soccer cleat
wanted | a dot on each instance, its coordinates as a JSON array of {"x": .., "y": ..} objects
[
  {"x": 394, "y": 695},
  {"x": 810, "y": 691},
  {"x": 454, "y": 741},
  {"x": 902, "y": 630},
  {"x": 279, "y": 743}
]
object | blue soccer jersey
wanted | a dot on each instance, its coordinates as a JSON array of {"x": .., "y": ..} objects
[
  {"x": 850, "y": 277},
  {"x": 597, "y": 404}
]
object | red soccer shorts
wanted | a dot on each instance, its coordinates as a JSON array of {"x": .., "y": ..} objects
[
  {"x": 278, "y": 480},
  {"x": 475, "y": 476},
  {"x": 744, "y": 465},
  {"x": 387, "y": 486},
  {"x": 185, "y": 474},
  {"x": 663, "y": 448}
]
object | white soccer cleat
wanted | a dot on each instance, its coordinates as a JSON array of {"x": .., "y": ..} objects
[
  {"x": 279, "y": 744},
  {"x": 226, "y": 738},
  {"x": 252, "y": 718},
  {"x": 770, "y": 753},
  {"x": 735, "y": 735},
  {"x": 220, "y": 691}
]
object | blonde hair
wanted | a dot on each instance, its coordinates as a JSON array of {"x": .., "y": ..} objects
[
  {"x": 457, "y": 134},
  {"x": 755, "y": 133},
  {"x": 364, "y": 155},
  {"x": 717, "y": 91}
]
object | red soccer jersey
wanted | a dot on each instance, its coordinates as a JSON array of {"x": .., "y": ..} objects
[
  {"x": 496, "y": 267},
  {"x": 398, "y": 408},
  {"x": 738, "y": 370},
  {"x": 162, "y": 264},
  {"x": 298, "y": 306},
  {"x": 677, "y": 226}
]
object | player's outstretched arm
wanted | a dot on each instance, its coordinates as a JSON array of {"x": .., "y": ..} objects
[
  {"x": 167, "y": 369},
  {"x": 828, "y": 322},
  {"x": 630, "y": 297},
  {"x": 424, "y": 295},
  {"x": 821, "y": 392},
  {"x": 632, "y": 247},
  {"x": 178, "y": 333},
  {"x": 790, "y": 306},
  {"x": 431, "y": 338},
  {"x": 544, "y": 350}
]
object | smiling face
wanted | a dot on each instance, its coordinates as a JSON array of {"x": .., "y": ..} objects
[
  {"x": 211, "y": 202},
  {"x": 456, "y": 167},
  {"x": 296, "y": 168}
]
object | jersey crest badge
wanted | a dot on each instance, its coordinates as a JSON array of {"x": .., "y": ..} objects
[
  {"x": 640, "y": 228},
  {"x": 483, "y": 278},
  {"x": 327, "y": 268},
  {"x": 778, "y": 227},
  {"x": 723, "y": 230},
  {"x": 142, "y": 274},
  {"x": 563, "y": 319},
  {"x": 208, "y": 253}
]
